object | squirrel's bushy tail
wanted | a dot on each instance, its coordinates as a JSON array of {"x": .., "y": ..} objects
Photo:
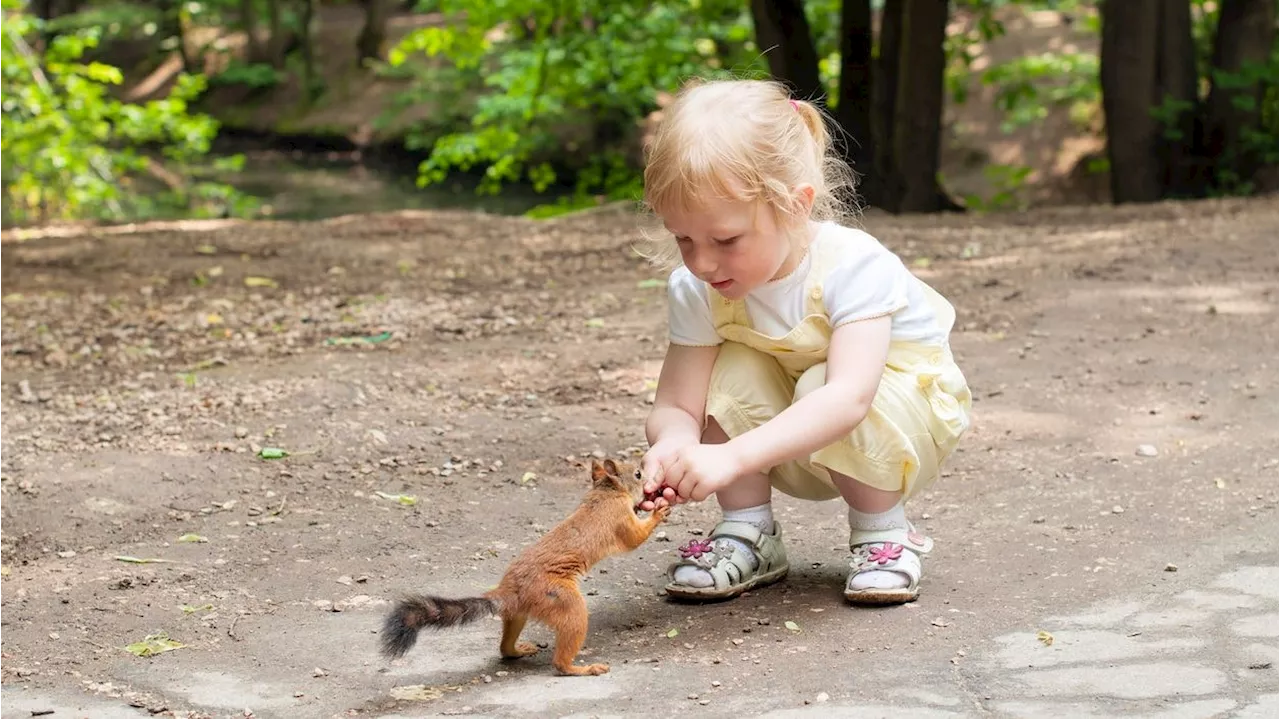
[{"x": 419, "y": 611}]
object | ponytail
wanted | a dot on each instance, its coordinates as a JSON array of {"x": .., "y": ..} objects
[{"x": 815, "y": 124}]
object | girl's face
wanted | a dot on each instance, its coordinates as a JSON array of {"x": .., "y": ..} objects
[{"x": 734, "y": 246}]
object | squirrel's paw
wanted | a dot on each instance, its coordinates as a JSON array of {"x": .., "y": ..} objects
[{"x": 523, "y": 649}]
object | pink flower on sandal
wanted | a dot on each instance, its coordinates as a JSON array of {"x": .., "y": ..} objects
[
  {"x": 695, "y": 548},
  {"x": 885, "y": 553},
  {"x": 872, "y": 556}
]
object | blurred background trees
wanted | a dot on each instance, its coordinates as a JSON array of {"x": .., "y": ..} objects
[{"x": 127, "y": 109}]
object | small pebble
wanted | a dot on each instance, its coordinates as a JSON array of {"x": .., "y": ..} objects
[
  {"x": 1117, "y": 509},
  {"x": 1170, "y": 567},
  {"x": 242, "y": 432},
  {"x": 704, "y": 702},
  {"x": 715, "y": 683},
  {"x": 1146, "y": 450},
  {"x": 318, "y": 672},
  {"x": 822, "y": 697}
]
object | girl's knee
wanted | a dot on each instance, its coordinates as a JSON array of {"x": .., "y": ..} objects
[
  {"x": 735, "y": 357},
  {"x": 812, "y": 379},
  {"x": 713, "y": 433},
  {"x": 747, "y": 384}
]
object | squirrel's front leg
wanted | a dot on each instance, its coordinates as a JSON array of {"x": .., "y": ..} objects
[{"x": 641, "y": 529}]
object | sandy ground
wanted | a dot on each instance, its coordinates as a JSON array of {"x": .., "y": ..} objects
[{"x": 141, "y": 376}]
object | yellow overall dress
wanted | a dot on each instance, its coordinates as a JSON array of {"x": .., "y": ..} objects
[{"x": 920, "y": 410}]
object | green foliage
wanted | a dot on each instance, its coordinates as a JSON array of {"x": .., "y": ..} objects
[
  {"x": 71, "y": 149},
  {"x": 1027, "y": 86},
  {"x": 1257, "y": 144},
  {"x": 1253, "y": 89},
  {"x": 1007, "y": 181},
  {"x": 563, "y": 79},
  {"x": 257, "y": 75}
]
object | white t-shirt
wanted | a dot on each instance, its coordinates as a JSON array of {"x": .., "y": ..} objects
[{"x": 868, "y": 281}]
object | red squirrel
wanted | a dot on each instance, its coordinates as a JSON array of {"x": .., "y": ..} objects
[{"x": 542, "y": 583}]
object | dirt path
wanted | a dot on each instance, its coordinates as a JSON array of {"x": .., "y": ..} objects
[{"x": 139, "y": 381}]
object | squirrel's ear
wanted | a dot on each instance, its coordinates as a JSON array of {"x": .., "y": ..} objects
[
  {"x": 611, "y": 468},
  {"x": 598, "y": 472}
]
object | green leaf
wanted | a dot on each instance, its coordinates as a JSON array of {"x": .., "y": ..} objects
[
  {"x": 154, "y": 644},
  {"x": 272, "y": 453},
  {"x": 407, "y": 500},
  {"x": 673, "y": 633},
  {"x": 792, "y": 626}
]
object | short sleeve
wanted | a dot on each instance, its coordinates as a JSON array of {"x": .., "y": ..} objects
[
  {"x": 870, "y": 282},
  {"x": 689, "y": 311}
]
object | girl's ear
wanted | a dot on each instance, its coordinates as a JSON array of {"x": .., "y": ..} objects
[{"x": 804, "y": 195}]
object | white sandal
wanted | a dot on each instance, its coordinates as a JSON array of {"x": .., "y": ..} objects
[
  {"x": 728, "y": 565},
  {"x": 892, "y": 550}
]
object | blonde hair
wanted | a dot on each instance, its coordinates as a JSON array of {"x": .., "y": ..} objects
[{"x": 747, "y": 141}]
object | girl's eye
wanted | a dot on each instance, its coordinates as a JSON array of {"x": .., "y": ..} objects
[{"x": 728, "y": 241}]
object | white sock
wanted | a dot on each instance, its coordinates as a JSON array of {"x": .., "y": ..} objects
[
  {"x": 761, "y": 517},
  {"x": 893, "y": 518}
]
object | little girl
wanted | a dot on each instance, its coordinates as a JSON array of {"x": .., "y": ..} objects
[{"x": 803, "y": 355}]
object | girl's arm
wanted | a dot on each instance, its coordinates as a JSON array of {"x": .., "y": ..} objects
[
  {"x": 855, "y": 363},
  {"x": 681, "y": 399},
  {"x": 679, "y": 406}
]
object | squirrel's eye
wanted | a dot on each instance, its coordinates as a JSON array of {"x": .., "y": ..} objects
[{"x": 637, "y": 474}]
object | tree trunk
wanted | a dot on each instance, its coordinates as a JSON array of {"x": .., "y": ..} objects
[
  {"x": 1176, "y": 79},
  {"x": 917, "y": 125},
  {"x": 171, "y": 13},
  {"x": 853, "y": 111},
  {"x": 310, "y": 80},
  {"x": 1128, "y": 66},
  {"x": 374, "y": 33},
  {"x": 884, "y": 93},
  {"x": 44, "y": 10},
  {"x": 1246, "y": 34},
  {"x": 254, "y": 51},
  {"x": 276, "y": 40},
  {"x": 782, "y": 33}
]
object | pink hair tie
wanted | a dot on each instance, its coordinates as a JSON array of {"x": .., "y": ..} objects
[{"x": 794, "y": 105}]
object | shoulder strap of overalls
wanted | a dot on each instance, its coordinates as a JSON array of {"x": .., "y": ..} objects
[{"x": 823, "y": 256}]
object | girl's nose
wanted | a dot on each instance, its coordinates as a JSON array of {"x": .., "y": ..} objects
[{"x": 701, "y": 264}]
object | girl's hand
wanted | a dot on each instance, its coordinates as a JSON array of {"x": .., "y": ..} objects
[
  {"x": 701, "y": 470},
  {"x": 653, "y": 467}
]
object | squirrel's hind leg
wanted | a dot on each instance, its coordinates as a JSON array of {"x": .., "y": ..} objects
[
  {"x": 570, "y": 625},
  {"x": 511, "y": 647}
]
